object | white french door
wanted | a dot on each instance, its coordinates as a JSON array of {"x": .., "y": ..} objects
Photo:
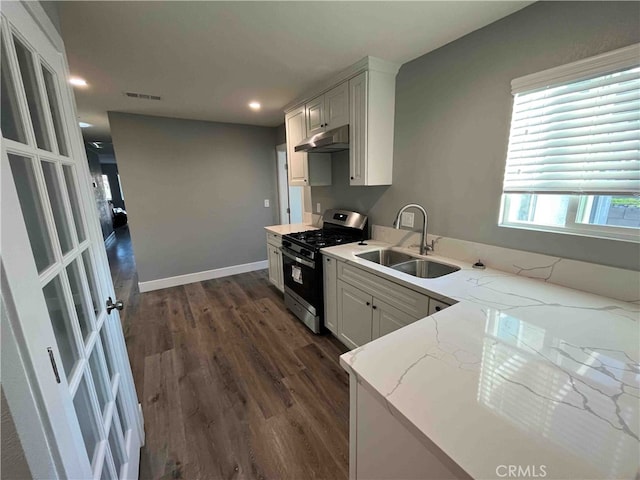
[{"x": 55, "y": 268}]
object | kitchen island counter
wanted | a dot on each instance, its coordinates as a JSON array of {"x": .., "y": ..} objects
[{"x": 519, "y": 372}]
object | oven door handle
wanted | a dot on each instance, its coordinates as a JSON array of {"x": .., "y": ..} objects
[{"x": 307, "y": 263}]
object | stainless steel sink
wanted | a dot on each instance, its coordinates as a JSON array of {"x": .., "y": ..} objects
[
  {"x": 425, "y": 268},
  {"x": 410, "y": 264},
  {"x": 386, "y": 257}
]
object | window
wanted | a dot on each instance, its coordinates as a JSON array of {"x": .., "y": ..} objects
[
  {"x": 573, "y": 163},
  {"x": 106, "y": 187}
]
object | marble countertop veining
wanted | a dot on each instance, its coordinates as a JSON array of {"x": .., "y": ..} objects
[
  {"x": 518, "y": 372},
  {"x": 290, "y": 228}
]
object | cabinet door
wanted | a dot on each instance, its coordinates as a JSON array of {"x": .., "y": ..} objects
[
  {"x": 354, "y": 315},
  {"x": 358, "y": 129},
  {"x": 331, "y": 294},
  {"x": 314, "y": 114},
  {"x": 387, "y": 319},
  {"x": 336, "y": 106},
  {"x": 272, "y": 260},
  {"x": 296, "y": 132}
]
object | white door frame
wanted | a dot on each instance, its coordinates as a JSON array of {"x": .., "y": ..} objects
[{"x": 283, "y": 185}]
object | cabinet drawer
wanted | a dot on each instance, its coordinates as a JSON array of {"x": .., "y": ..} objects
[
  {"x": 435, "y": 306},
  {"x": 402, "y": 298},
  {"x": 274, "y": 239}
]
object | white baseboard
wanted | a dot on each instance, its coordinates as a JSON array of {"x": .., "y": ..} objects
[{"x": 200, "y": 276}]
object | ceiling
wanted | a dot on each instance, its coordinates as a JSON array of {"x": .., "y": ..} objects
[{"x": 208, "y": 60}]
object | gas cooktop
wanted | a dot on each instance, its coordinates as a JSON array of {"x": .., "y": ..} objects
[{"x": 316, "y": 239}]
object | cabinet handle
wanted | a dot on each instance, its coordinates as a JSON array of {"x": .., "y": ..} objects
[
  {"x": 328, "y": 259},
  {"x": 351, "y": 178},
  {"x": 438, "y": 309},
  {"x": 368, "y": 303},
  {"x": 374, "y": 307},
  {"x": 305, "y": 180}
]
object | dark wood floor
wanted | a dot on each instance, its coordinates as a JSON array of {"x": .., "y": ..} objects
[{"x": 231, "y": 384}]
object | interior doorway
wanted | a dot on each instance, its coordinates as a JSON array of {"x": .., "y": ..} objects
[{"x": 289, "y": 198}]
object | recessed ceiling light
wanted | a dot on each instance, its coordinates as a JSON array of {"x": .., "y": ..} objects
[
  {"x": 78, "y": 82},
  {"x": 84, "y": 124},
  {"x": 254, "y": 105}
]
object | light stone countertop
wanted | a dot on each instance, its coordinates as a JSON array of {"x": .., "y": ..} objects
[
  {"x": 290, "y": 228},
  {"x": 518, "y": 372}
]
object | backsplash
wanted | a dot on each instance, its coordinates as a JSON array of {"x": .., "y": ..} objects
[{"x": 611, "y": 282}]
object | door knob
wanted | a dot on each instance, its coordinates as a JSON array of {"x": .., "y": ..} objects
[{"x": 119, "y": 305}]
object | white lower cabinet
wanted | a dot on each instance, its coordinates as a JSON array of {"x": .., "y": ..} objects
[
  {"x": 373, "y": 308},
  {"x": 355, "y": 315},
  {"x": 274, "y": 260},
  {"x": 387, "y": 319}
]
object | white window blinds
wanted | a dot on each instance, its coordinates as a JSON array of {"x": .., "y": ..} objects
[{"x": 576, "y": 129}]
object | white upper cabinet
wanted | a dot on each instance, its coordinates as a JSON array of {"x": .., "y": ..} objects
[
  {"x": 371, "y": 111},
  {"x": 336, "y": 107},
  {"x": 304, "y": 169},
  {"x": 328, "y": 111},
  {"x": 314, "y": 113},
  {"x": 297, "y": 161},
  {"x": 363, "y": 97}
]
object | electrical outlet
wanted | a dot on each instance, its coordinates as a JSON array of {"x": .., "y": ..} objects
[
  {"x": 407, "y": 219},
  {"x": 318, "y": 209},
  {"x": 266, "y": 203}
]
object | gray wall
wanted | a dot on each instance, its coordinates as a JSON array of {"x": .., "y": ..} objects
[
  {"x": 453, "y": 108},
  {"x": 340, "y": 194},
  {"x": 195, "y": 192},
  {"x": 281, "y": 134}
]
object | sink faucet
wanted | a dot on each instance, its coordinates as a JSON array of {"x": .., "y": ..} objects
[{"x": 424, "y": 247}]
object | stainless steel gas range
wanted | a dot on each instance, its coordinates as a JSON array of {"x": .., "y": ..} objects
[{"x": 302, "y": 262}]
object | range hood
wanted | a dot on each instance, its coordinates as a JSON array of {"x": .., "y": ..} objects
[{"x": 334, "y": 140}]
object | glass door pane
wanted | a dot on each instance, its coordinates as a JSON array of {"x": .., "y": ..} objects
[
  {"x": 57, "y": 205},
  {"x": 107, "y": 352},
  {"x": 50, "y": 87},
  {"x": 12, "y": 126},
  {"x": 100, "y": 380},
  {"x": 116, "y": 444},
  {"x": 32, "y": 91},
  {"x": 61, "y": 322},
  {"x": 24, "y": 177},
  {"x": 121, "y": 414},
  {"x": 86, "y": 418},
  {"x": 82, "y": 308},
  {"x": 70, "y": 182}
]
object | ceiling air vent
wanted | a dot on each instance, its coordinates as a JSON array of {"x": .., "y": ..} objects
[{"x": 142, "y": 96}]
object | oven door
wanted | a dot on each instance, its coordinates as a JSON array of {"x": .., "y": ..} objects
[{"x": 300, "y": 276}]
